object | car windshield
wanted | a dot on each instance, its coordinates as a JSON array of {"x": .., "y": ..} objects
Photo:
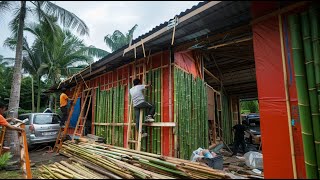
[
  {"x": 23, "y": 117},
  {"x": 46, "y": 119}
]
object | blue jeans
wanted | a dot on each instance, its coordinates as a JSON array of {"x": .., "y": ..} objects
[{"x": 146, "y": 105}]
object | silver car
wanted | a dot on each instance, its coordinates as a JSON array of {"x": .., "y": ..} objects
[{"x": 41, "y": 127}]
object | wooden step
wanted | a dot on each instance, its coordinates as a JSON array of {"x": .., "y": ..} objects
[{"x": 133, "y": 141}]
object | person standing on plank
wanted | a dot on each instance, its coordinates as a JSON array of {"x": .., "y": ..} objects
[
  {"x": 63, "y": 106},
  {"x": 4, "y": 122},
  {"x": 140, "y": 102}
]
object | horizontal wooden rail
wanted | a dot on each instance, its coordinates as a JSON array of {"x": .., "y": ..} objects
[{"x": 155, "y": 124}]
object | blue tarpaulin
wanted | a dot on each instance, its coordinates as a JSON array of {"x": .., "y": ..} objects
[{"x": 75, "y": 114}]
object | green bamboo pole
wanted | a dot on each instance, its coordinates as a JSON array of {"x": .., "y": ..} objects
[
  {"x": 143, "y": 140},
  {"x": 122, "y": 116},
  {"x": 187, "y": 114},
  {"x": 175, "y": 105},
  {"x": 107, "y": 116},
  {"x": 315, "y": 33},
  {"x": 207, "y": 118},
  {"x": 111, "y": 115},
  {"x": 180, "y": 113},
  {"x": 176, "y": 84},
  {"x": 99, "y": 114},
  {"x": 157, "y": 109},
  {"x": 159, "y": 113},
  {"x": 184, "y": 107},
  {"x": 303, "y": 99},
  {"x": 154, "y": 134},
  {"x": 96, "y": 110},
  {"x": 154, "y": 130},
  {"x": 197, "y": 113},
  {"x": 307, "y": 44},
  {"x": 192, "y": 109},
  {"x": 147, "y": 141},
  {"x": 117, "y": 114},
  {"x": 182, "y": 148}
]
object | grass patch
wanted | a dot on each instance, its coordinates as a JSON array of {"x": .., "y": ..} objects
[{"x": 10, "y": 174}]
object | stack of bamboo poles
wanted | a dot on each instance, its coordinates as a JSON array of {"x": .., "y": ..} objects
[
  {"x": 190, "y": 113},
  {"x": 110, "y": 109},
  {"x": 305, "y": 34},
  {"x": 87, "y": 160}
]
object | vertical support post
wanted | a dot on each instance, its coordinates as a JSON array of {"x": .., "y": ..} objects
[{"x": 294, "y": 168}]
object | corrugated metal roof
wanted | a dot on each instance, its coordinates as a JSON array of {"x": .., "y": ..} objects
[{"x": 221, "y": 17}]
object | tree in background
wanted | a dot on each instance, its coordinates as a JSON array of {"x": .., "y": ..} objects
[
  {"x": 249, "y": 106},
  {"x": 22, "y": 10},
  {"x": 117, "y": 40},
  {"x": 52, "y": 53}
]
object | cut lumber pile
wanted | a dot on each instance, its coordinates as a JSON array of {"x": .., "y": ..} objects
[
  {"x": 238, "y": 167},
  {"x": 97, "y": 160}
]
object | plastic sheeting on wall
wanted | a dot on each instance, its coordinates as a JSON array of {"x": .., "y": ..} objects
[
  {"x": 186, "y": 61},
  {"x": 75, "y": 114},
  {"x": 272, "y": 102}
]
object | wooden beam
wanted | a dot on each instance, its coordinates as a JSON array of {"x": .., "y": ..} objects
[
  {"x": 231, "y": 42},
  {"x": 181, "y": 19},
  {"x": 211, "y": 75}
]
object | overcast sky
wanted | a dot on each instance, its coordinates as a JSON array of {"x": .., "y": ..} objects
[{"x": 103, "y": 17}]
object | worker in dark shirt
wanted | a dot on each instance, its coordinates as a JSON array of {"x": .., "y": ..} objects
[{"x": 239, "y": 130}]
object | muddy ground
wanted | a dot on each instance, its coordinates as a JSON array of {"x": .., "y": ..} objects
[{"x": 38, "y": 155}]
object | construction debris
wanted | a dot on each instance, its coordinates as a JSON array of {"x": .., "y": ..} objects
[{"x": 97, "y": 160}]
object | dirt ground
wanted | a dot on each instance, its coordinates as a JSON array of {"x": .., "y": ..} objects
[{"x": 38, "y": 156}]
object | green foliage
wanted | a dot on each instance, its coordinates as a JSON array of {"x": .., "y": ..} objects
[
  {"x": 4, "y": 159},
  {"x": 117, "y": 40},
  {"x": 249, "y": 106}
]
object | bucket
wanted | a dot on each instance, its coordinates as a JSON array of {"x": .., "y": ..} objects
[{"x": 215, "y": 163}]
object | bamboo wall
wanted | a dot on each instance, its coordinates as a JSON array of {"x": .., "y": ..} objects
[
  {"x": 188, "y": 100},
  {"x": 112, "y": 92},
  {"x": 190, "y": 112}
]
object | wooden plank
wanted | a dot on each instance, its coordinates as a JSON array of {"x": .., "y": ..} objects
[
  {"x": 160, "y": 124},
  {"x": 154, "y": 124}
]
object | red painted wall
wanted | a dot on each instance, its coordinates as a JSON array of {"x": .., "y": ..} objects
[
  {"x": 268, "y": 31},
  {"x": 272, "y": 104},
  {"x": 109, "y": 80},
  {"x": 271, "y": 92}
]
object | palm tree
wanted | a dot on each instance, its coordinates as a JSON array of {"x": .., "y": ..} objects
[
  {"x": 42, "y": 9},
  {"x": 117, "y": 40},
  {"x": 51, "y": 52}
]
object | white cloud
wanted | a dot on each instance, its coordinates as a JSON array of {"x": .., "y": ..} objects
[{"x": 103, "y": 17}]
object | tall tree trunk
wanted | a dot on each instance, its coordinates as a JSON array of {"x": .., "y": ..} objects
[
  {"x": 11, "y": 138},
  {"x": 39, "y": 94},
  {"x": 32, "y": 89}
]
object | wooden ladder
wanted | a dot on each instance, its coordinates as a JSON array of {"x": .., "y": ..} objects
[
  {"x": 138, "y": 140},
  {"x": 63, "y": 131},
  {"x": 3, "y": 132},
  {"x": 82, "y": 119},
  {"x": 24, "y": 154}
]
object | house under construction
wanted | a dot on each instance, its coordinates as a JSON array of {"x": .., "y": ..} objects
[{"x": 200, "y": 64}]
